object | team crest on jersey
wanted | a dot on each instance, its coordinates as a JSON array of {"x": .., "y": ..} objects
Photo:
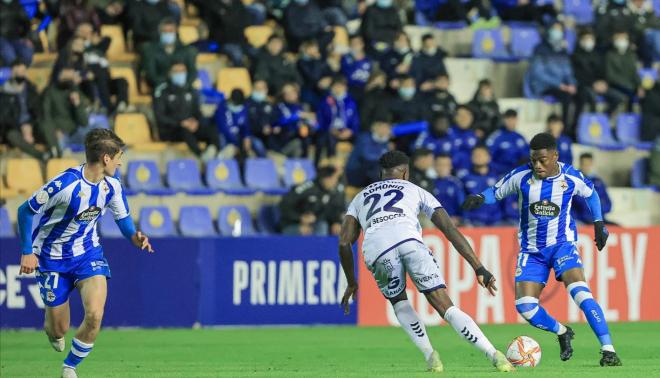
[
  {"x": 42, "y": 197},
  {"x": 544, "y": 209},
  {"x": 50, "y": 296},
  {"x": 518, "y": 271},
  {"x": 563, "y": 185},
  {"x": 88, "y": 215},
  {"x": 104, "y": 186}
]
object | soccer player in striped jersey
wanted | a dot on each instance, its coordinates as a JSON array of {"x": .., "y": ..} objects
[
  {"x": 64, "y": 249},
  {"x": 548, "y": 236}
]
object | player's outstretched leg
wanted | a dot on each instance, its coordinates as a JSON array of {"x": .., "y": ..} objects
[
  {"x": 467, "y": 328},
  {"x": 414, "y": 327},
  {"x": 56, "y": 325},
  {"x": 93, "y": 292}
]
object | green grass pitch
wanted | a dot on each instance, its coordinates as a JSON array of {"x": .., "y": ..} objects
[{"x": 320, "y": 352}]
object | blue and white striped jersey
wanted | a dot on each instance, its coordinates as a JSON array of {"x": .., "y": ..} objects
[
  {"x": 545, "y": 205},
  {"x": 71, "y": 205}
]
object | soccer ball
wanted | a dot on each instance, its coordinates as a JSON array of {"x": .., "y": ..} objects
[{"x": 524, "y": 351}]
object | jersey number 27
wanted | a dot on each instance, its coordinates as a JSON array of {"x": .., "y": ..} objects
[{"x": 389, "y": 206}]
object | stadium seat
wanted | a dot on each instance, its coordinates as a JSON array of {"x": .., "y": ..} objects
[
  {"x": 224, "y": 175},
  {"x": 183, "y": 175},
  {"x": 134, "y": 96},
  {"x": 98, "y": 121},
  {"x": 24, "y": 175},
  {"x": 648, "y": 76},
  {"x": 56, "y": 166},
  {"x": 5, "y": 74},
  {"x": 210, "y": 95},
  {"x": 581, "y": 10},
  {"x": 6, "y": 228},
  {"x": 523, "y": 41},
  {"x": 235, "y": 221},
  {"x": 594, "y": 129},
  {"x": 107, "y": 226},
  {"x": 628, "y": 130},
  {"x": 232, "y": 78},
  {"x": 196, "y": 221},
  {"x": 268, "y": 219},
  {"x": 639, "y": 173},
  {"x": 117, "y": 50},
  {"x": 488, "y": 44},
  {"x": 207, "y": 58},
  {"x": 156, "y": 221},
  {"x": 656, "y": 7},
  {"x": 133, "y": 129},
  {"x": 143, "y": 176},
  {"x": 257, "y": 35},
  {"x": 298, "y": 171},
  {"x": 450, "y": 25},
  {"x": 39, "y": 76},
  {"x": 261, "y": 174},
  {"x": 188, "y": 34}
]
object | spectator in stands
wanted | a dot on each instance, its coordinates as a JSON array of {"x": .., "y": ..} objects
[
  {"x": 315, "y": 207},
  {"x": 486, "y": 110},
  {"x": 651, "y": 113},
  {"x": 357, "y": 67},
  {"x": 555, "y": 126},
  {"x": 293, "y": 124},
  {"x": 422, "y": 172},
  {"x": 260, "y": 111},
  {"x": 480, "y": 177},
  {"x": 232, "y": 119},
  {"x": 589, "y": 68},
  {"x": 438, "y": 138},
  {"x": 145, "y": 18},
  {"x": 429, "y": 62},
  {"x": 64, "y": 111},
  {"x": 273, "y": 67},
  {"x": 508, "y": 148},
  {"x": 437, "y": 98},
  {"x": 158, "y": 57},
  {"x": 654, "y": 163},
  {"x": 612, "y": 15},
  {"x": 20, "y": 112},
  {"x": 448, "y": 188},
  {"x": 304, "y": 20},
  {"x": 179, "y": 117},
  {"x": 464, "y": 139},
  {"x": 362, "y": 167},
  {"x": 338, "y": 119},
  {"x": 550, "y": 71},
  {"x": 227, "y": 21},
  {"x": 14, "y": 34},
  {"x": 109, "y": 11},
  {"x": 314, "y": 71},
  {"x": 72, "y": 14},
  {"x": 540, "y": 12},
  {"x": 580, "y": 210},
  {"x": 644, "y": 20},
  {"x": 380, "y": 26},
  {"x": 621, "y": 68},
  {"x": 374, "y": 101},
  {"x": 407, "y": 106},
  {"x": 398, "y": 59}
]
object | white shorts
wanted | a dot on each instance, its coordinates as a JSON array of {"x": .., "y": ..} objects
[{"x": 412, "y": 256}]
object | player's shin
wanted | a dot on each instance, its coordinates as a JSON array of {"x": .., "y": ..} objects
[
  {"x": 413, "y": 326},
  {"x": 79, "y": 350},
  {"x": 469, "y": 330},
  {"x": 530, "y": 310},
  {"x": 592, "y": 311}
]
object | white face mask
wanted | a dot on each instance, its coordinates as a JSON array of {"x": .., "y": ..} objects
[
  {"x": 588, "y": 44},
  {"x": 431, "y": 173},
  {"x": 380, "y": 138},
  {"x": 621, "y": 44}
]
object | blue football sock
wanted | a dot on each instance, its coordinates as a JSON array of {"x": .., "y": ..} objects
[
  {"x": 529, "y": 308},
  {"x": 79, "y": 351},
  {"x": 592, "y": 311}
]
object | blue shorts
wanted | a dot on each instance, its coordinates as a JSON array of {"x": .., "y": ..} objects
[
  {"x": 535, "y": 266},
  {"x": 58, "y": 278}
]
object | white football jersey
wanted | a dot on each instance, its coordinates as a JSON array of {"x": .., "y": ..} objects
[{"x": 388, "y": 214}]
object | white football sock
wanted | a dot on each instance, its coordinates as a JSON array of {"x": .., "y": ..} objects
[
  {"x": 466, "y": 327},
  {"x": 562, "y": 329},
  {"x": 414, "y": 327}
]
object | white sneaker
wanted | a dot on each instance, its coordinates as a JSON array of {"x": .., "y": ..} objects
[
  {"x": 57, "y": 344},
  {"x": 434, "y": 364},
  {"x": 69, "y": 372}
]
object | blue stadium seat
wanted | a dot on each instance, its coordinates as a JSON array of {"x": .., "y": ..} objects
[
  {"x": 6, "y": 228},
  {"x": 157, "y": 221},
  {"x": 570, "y": 36},
  {"x": 451, "y": 25},
  {"x": 656, "y": 7},
  {"x": 523, "y": 41},
  {"x": 107, "y": 226},
  {"x": 581, "y": 10},
  {"x": 261, "y": 174},
  {"x": 639, "y": 173},
  {"x": 628, "y": 130},
  {"x": 210, "y": 94},
  {"x": 488, "y": 44},
  {"x": 648, "y": 76},
  {"x": 5, "y": 74},
  {"x": 183, "y": 175},
  {"x": 298, "y": 171},
  {"x": 268, "y": 219},
  {"x": 224, "y": 175},
  {"x": 196, "y": 221},
  {"x": 594, "y": 129},
  {"x": 99, "y": 121},
  {"x": 235, "y": 221},
  {"x": 143, "y": 176}
]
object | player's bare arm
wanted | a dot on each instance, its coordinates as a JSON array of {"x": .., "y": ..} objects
[
  {"x": 350, "y": 231},
  {"x": 444, "y": 223}
]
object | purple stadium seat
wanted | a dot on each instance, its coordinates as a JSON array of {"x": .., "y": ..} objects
[
  {"x": 224, "y": 175},
  {"x": 523, "y": 41},
  {"x": 268, "y": 219},
  {"x": 5, "y": 74},
  {"x": 6, "y": 228},
  {"x": 235, "y": 221},
  {"x": 143, "y": 176},
  {"x": 581, "y": 10},
  {"x": 489, "y": 44},
  {"x": 298, "y": 171},
  {"x": 594, "y": 129},
  {"x": 183, "y": 175},
  {"x": 261, "y": 174},
  {"x": 157, "y": 221},
  {"x": 648, "y": 76},
  {"x": 628, "y": 130},
  {"x": 638, "y": 174},
  {"x": 107, "y": 226},
  {"x": 196, "y": 221}
]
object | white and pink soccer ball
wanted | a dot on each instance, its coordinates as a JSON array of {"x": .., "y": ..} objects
[{"x": 524, "y": 352}]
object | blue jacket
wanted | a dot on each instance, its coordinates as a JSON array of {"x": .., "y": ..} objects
[
  {"x": 287, "y": 116},
  {"x": 233, "y": 126},
  {"x": 464, "y": 141},
  {"x": 486, "y": 215},
  {"x": 439, "y": 145},
  {"x": 507, "y": 149},
  {"x": 549, "y": 68},
  {"x": 357, "y": 72},
  {"x": 564, "y": 144},
  {"x": 338, "y": 114},
  {"x": 580, "y": 209},
  {"x": 362, "y": 167},
  {"x": 450, "y": 192}
]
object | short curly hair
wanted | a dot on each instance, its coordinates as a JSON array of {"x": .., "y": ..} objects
[
  {"x": 393, "y": 159},
  {"x": 543, "y": 141}
]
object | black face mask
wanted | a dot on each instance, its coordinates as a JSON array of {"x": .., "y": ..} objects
[
  {"x": 66, "y": 84},
  {"x": 19, "y": 79}
]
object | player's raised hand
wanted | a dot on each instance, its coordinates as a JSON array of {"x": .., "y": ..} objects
[
  {"x": 601, "y": 234},
  {"x": 351, "y": 291},
  {"x": 141, "y": 241},
  {"x": 473, "y": 201},
  {"x": 28, "y": 263},
  {"x": 486, "y": 280}
]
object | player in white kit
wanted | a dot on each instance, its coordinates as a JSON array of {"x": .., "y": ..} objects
[{"x": 387, "y": 212}]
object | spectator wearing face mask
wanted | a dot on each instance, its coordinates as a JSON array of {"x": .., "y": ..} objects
[
  {"x": 422, "y": 173},
  {"x": 621, "y": 68},
  {"x": 293, "y": 125},
  {"x": 611, "y": 15},
  {"x": 110, "y": 12},
  {"x": 448, "y": 189},
  {"x": 179, "y": 117},
  {"x": 232, "y": 120},
  {"x": 273, "y": 67},
  {"x": 651, "y": 113},
  {"x": 227, "y": 20},
  {"x": 260, "y": 111},
  {"x": 362, "y": 167},
  {"x": 508, "y": 148},
  {"x": 380, "y": 25},
  {"x": 436, "y": 97},
  {"x": 374, "y": 101},
  {"x": 464, "y": 139},
  {"x": 550, "y": 71},
  {"x": 429, "y": 62},
  {"x": 580, "y": 210},
  {"x": 145, "y": 18},
  {"x": 407, "y": 106},
  {"x": 486, "y": 110},
  {"x": 356, "y": 67},
  {"x": 589, "y": 68},
  {"x": 555, "y": 126},
  {"x": 338, "y": 119},
  {"x": 398, "y": 59},
  {"x": 439, "y": 137},
  {"x": 480, "y": 177},
  {"x": 14, "y": 33},
  {"x": 315, "y": 72}
]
